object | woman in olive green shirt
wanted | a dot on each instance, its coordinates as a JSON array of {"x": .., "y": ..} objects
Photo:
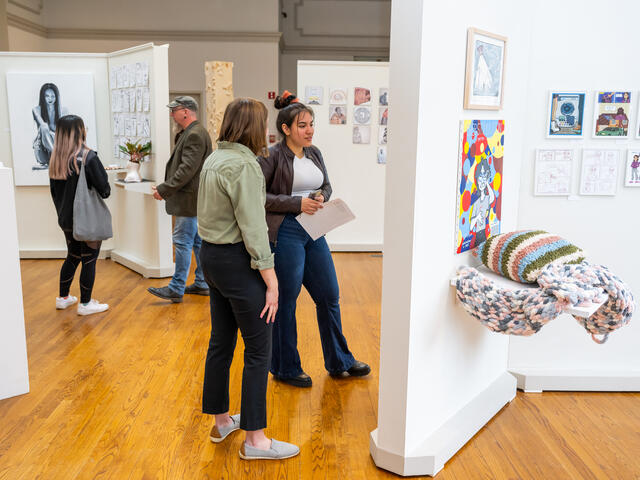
[{"x": 238, "y": 266}]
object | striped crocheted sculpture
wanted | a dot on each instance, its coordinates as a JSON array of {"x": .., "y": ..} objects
[{"x": 564, "y": 279}]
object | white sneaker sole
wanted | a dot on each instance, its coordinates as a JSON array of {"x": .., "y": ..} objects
[{"x": 244, "y": 457}]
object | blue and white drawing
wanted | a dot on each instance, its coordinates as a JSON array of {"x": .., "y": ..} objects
[{"x": 487, "y": 69}]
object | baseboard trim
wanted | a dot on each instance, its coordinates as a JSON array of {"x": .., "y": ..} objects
[
  {"x": 430, "y": 457},
  {"x": 140, "y": 266},
  {"x": 355, "y": 247},
  {"x": 539, "y": 380},
  {"x": 55, "y": 253}
]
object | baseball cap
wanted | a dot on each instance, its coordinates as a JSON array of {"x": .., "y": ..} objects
[{"x": 184, "y": 101}]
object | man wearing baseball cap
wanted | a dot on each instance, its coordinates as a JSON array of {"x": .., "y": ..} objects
[{"x": 180, "y": 193}]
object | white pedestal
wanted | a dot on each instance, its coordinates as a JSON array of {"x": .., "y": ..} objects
[{"x": 14, "y": 374}]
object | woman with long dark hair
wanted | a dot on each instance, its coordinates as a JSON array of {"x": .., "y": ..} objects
[
  {"x": 46, "y": 115},
  {"x": 69, "y": 151},
  {"x": 297, "y": 181},
  {"x": 238, "y": 267}
]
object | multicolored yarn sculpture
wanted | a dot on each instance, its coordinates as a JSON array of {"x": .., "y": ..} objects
[{"x": 561, "y": 281}]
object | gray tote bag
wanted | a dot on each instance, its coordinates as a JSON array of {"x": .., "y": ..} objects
[{"x": 91, "y": 216}]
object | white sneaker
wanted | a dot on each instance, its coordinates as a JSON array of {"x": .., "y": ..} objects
[
  {"x": 92, "y": 307},
  {"x": 62, "y": 302}
]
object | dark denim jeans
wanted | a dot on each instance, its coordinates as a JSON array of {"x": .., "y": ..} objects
[
  {"x": 301, "y": 261},
  {"x": 186, "y": 239}
]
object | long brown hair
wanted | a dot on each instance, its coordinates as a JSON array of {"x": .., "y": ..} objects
[
  {"x": 70, "y": 140},
  {"x": 290, "y": 108},
  {"x": 245, "y": 122}
]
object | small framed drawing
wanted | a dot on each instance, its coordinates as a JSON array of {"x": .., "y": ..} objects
[
  {"x": 638, "y": 122},
  {"x": 337, "y": 114},
  {"x": 612, "y": 112},
  {"x": 599, "y": 174},
  {"x": 313, "y": 95},
  {"x": 566, "y": 115},
  {"x": 484, "y": 80},
  {"x": 632, "y": 170},
  {"x": 553, "y": 172},
  {"x": 337, "y": 96}
]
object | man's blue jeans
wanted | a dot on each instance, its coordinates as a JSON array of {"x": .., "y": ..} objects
[
  {"x": 185, "y": 240},
  {"x": 301, "y": 261}
]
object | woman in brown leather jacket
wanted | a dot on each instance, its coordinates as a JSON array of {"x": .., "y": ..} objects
[{"x": 297, "y": 181}]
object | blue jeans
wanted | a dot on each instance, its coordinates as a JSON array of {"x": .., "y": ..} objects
[
  {"x": 186, "y": 239},
  {"x": 301, "y": 261}
]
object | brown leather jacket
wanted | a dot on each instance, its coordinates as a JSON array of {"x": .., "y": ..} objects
[{"x": 278, "y": 173}]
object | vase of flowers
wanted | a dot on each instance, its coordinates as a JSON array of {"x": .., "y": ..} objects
[{"x": 137, "y": 153}]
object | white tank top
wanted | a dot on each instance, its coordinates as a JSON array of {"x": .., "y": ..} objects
[{"x": 307, "y": 177}]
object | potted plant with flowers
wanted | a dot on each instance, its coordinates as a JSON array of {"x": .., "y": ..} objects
[{"x": 137, "y": 153}]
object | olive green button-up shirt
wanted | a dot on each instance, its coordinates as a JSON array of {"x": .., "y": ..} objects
[{"x": 231, "y": 202}]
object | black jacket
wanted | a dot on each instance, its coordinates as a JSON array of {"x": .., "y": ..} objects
[
  {"x": 63, "y": 192},
  {"x": 278, "y": 173}
]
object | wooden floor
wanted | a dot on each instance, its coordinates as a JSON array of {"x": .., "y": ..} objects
[{"x": 117, "y": 396}]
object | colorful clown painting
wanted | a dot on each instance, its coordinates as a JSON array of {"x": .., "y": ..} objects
[{"x": 479, "y": 213}]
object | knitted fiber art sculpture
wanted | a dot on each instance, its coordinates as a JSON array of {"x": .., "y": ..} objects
[
  {"x": 522, "y": 255},
  {"x": 525, "y": 311}
]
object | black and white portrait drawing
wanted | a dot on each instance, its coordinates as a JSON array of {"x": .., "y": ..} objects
[{"x": 36, "y": 103}]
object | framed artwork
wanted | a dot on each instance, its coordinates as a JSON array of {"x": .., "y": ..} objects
[
  {"x": 632, "y": 169},
  {"x": 553, "y": 172},
  {"x": 612, "y": 113},
  {"x": 566, "y": 115},
  {"x": 599, "y": 175},
  {"x": 338, "y": 96},
  {"x": 362, "y": 116},
  {"x": 361, "y": 134},
  {"x": 338, "y": 114},
  {"x": 382, "y": 154},
  {"x": 638, "y": 121},
  {"x": 361, "y": 96},
  {"x": 382, "y": 135},
  {"x": 383, "y": 115},
  {"x": 313, "y": 95},
  {"x": 383, "y": 96},
  {"x": 484, "y": 80},
  {"x": 36, "y": 102},
  {"x": 479, "y": 192}
]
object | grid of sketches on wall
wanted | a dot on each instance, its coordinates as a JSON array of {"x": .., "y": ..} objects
[
  {"x": 130, "y": 105},
  {"x": 368, "y": 118}
]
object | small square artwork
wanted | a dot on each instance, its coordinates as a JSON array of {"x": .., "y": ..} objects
[
  {"x": 612, "y": 115},
  {"x": 382, "y": 154},
  {"x": 338, "y": 96},
  {"x": 313, "y": 95},
  {"x": 484, "y": 82},
  {"x": 362, "y": 115},
  {"x": 361, "y": 134},
  {"x": 383, "y": 115},
  {"x": 599, "y": 172},
  {"x": 338, "y": 114},
  {"x": 361, "y": 96},
  {"x": 566, "y": 115},
  {"x": 382, "y": 135},
  {"x": 632, "y": 170},
  {"x": 383, "y": 97},
  {"x": 553, "y": 172}
]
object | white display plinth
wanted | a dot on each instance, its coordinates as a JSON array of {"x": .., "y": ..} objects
[{"x": 14, "y": 373}]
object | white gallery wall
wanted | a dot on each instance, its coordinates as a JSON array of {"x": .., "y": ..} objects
[{"x": 606, "y": 227}]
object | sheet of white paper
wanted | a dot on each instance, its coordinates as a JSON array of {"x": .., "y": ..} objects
[
  {"x": 332, "y": 215},
  {"x": 121, "y": 125},
  {"x": 145, "y": 74},
  {"x": 139, "y": 99},
  {"x": 146, "y": 131},
  {"x": 132, "y": 75},
  {"x": 116, "y": 147},
  {"x": 132, "y": 100},
  {"x": 146, "y": 99}
]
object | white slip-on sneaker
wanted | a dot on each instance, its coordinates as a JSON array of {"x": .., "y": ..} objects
[
  {"x": 92, "y": 307},
  {"x": 64, "y": 302}
]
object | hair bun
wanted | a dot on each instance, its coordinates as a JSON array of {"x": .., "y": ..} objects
[{"x": 284, "y": 100}]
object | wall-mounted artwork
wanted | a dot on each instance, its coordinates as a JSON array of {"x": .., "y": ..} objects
[
  {"x": 382, "y": 154},
  {"x": 338, "y": 114},
  {"x": 479, "y": 193},
  {"x": 362, "y": 115},
  {"x": 553, "y": 172},
  {"x": 612, "y": 113},
  {"x": 361, "y": 96},
  {"x": 383, "y": 115},
  {"x": 36, "y": 102},
  {"x": 599, "y": 174},
  {"x": 313, "y": 95},
  {"x": 361, "y": 134},
  {"x": 338, "y": 96},
  {"x": 566, "y": 115},
  {"x": 484, "y": 81},
  {"x": 632, "y": 170},
  {"x": 383, "y": 96},
  {"x": 382, "y": 135}
]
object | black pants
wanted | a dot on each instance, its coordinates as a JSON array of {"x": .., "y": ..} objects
[
  {"x": 79, "y": 252},
  {"x": 237, "y": 296}
]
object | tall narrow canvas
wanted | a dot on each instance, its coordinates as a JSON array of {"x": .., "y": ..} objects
[{"x": 479, "y": 195}]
